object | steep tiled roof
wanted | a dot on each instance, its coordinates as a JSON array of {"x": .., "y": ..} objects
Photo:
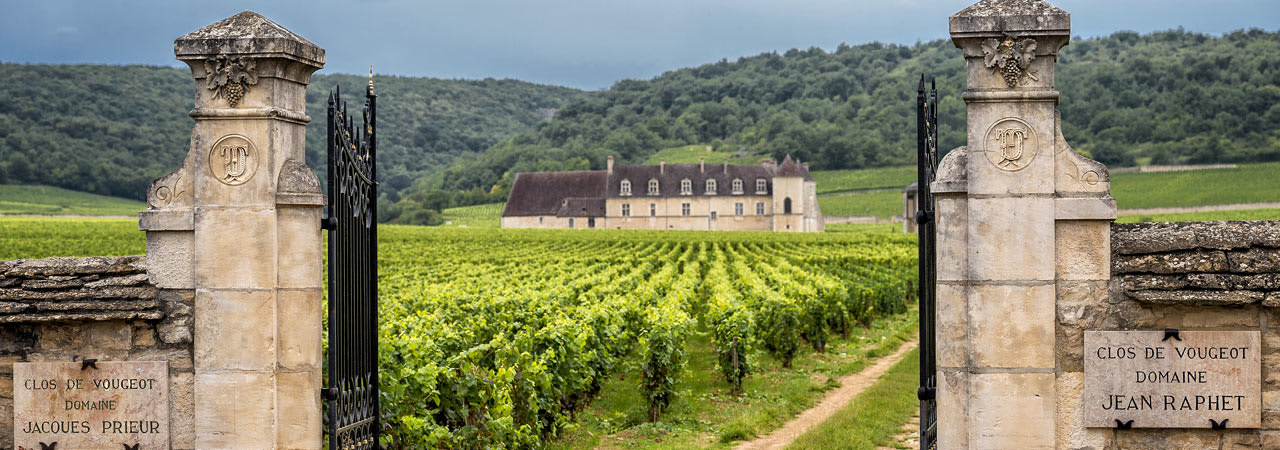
[
  {"x": 791, "y": 168},
  {"x": 543, "y": 193},
  {"x": 669, "y": 179},
  {"x": 581, "y": 207}
]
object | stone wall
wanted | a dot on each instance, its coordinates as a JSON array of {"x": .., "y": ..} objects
[
  {"x": 1186, "y": 276},
  {"x": 105, "y": 308}
]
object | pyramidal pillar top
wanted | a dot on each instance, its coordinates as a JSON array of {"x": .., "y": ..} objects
[{"x": 1010, "y": 44}]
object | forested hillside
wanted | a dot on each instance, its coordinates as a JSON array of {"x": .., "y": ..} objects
[
  {"x": 113, "y": 129},
  {"x": 1165, "y": 97}
]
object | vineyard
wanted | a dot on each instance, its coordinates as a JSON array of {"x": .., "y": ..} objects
[
  {"x": 496, "y": 339},
  {"x": 500, "y": 338}
]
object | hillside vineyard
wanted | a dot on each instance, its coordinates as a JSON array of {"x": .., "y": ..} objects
[{"x": 495, "y": 338}]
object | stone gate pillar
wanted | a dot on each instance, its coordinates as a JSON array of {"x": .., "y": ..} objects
[
  {"x": 239, "y": 224},
  {"x": 1022, "y": 227}
]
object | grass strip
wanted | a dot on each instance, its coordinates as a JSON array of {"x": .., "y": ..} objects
[
  {"x": 705, "y": 416},
  {"x": 873, "y": 417}
]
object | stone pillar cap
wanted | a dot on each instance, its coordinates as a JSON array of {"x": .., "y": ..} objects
[
  {"x": 247, "y": 34},
  {"x": 1018, "y": 17}
]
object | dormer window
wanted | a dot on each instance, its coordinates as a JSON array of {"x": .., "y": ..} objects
[
  {"x": 711, "y": 186},
  {"x": 686, "y": 187},
  {"x": 624, "y": 188},
  {"x": 737, "y": 185},
  {"x": 653, "y": 187},
  {"x": 762, "y": 186}
]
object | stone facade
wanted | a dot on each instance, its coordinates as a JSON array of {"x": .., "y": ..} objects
[
  {"x": 598, "y": 199},
  {"x": 105, "y": 308}
]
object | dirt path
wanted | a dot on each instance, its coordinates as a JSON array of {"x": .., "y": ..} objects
[
  {"x": 850, "y": 387},
  {"x": 1192, "y": 209}
]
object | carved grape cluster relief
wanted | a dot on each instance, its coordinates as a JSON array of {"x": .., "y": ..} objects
[
  {"x": 230, "y": 78},
  {"x": 1011, "y": 57}
]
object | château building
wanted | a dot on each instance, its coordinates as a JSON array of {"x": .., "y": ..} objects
[{"x": 764, "y": 197}]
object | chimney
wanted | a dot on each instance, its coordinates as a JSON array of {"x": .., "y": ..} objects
[
  {"x": 662, "y": 165},
  {"x": 702, "y": 164},
  {"x": 804, "y": 166},
  {"x": 726, "y": 165},
  {"x": 609, "y": 164},
  {"x": 768, "y": 163}
]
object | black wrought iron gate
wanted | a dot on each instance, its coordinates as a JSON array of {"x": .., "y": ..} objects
[
  {"x": 352, "y": 412},
  {"x": 926, "y": 168}
]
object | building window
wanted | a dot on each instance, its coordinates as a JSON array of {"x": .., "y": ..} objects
[
  {"x": 539, "y": 220},
  {"x": 626, "y": 210},
  {"x": 653, "y": 187},
  {"x": 686, "y": 187},
  {"x": 761, "y": 186},
  {"x": 711, "y": 186},
  {"x": 737, "y": 185},
  {"x": 737, "y": 209},
  {"x": 570, "y": 222},
  {"x": 786, "y": 205},
  {"x": 591, "y": 222},
  {"x": 624, "y": 188},
  {"x": 653, "y": 209},
  {"x": 713, "y": 215},
  {"x": 684, "y": 209},
  {"x": 759, "y": 208}
]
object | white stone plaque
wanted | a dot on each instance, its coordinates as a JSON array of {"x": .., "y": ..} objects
[
  {"x": 118, "y": 405},
  {"x": 1206, "y": 378}
]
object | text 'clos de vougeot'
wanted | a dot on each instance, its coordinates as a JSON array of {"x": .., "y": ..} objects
[{"x": 1188, "y": 379}]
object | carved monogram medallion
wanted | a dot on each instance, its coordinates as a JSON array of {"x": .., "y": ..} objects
[
  {"x": 1010, "y": 144},
  {"x": 233, "y": 160}
]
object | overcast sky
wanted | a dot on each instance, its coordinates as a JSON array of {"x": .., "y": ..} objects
[{"x": 580, "y": 43}]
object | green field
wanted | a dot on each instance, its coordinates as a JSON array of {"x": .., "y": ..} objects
[
  {"x": 47, "y": 200},
  {"x": 894, "y": 178},
  {"x": 1248, "y": 183},
  {"x": 39, "y": 237},
  {"x": 690, "y": 154},
  {"x": 1244, "y": 214},
  {"x": 477, "y": 216},
  {"x": 880, "y": 203}
]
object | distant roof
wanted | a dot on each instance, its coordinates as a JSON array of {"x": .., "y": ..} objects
[
  {"x": 581, "y": 207},
  {"x": 544, "y": 193},
  {"x": 670, "y": 177}
]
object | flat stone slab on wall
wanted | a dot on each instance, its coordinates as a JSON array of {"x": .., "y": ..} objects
[{"x": 1198, "y": 263}]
